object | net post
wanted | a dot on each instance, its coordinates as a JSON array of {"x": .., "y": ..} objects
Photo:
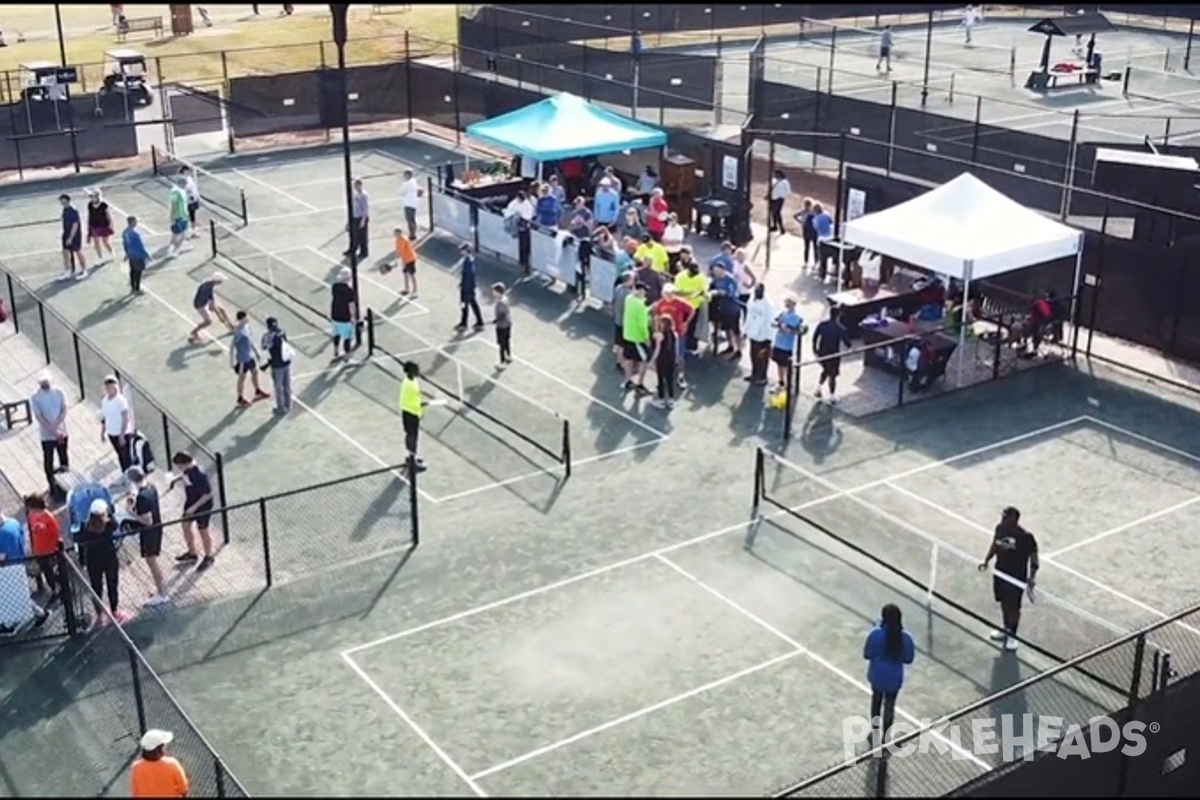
[
  {"x": 45, "y": 336},
  {"x": 212, "y": 236},
  {"x": 370, "y": 333},
  {"x": 222, "y": 495},
  {"x": 413, "y": 503},
  {"x": 12, "y": 312},
  {"x": 900, "y": 383},
  {"x": 266, "y": 540},
  {"x": 245, "y": 212},
  {"x": 429, "y": 199},
  {"x": 78, "y": 364},
  {"x": 138, "y": 700},
  {"x": 930, "y": 588},
  {"x": 789, "y": 406},
  {"x": 154, "y": 161},
  {"x": 566, "y": 445},
  {"x": 760, "y": 475},
  {"x": 166, "y": 426},
  {"x": 75, "y": 625},
  {"x": 219, "y": 774},
  {"x": 1125, "y": 81}
]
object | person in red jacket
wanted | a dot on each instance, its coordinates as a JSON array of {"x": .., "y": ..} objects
[{"x": 658, "y": 213}]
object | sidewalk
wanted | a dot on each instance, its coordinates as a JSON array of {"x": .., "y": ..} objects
[{"x": 237, "y": 570}]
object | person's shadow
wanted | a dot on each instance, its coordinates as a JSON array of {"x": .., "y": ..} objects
[{"x": 820, "y": 437}]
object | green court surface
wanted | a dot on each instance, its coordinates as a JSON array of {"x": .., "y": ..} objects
[{"x": 631, "y": 629}]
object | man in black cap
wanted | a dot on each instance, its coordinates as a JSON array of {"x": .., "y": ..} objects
[{"x": 1016, "y": 554}]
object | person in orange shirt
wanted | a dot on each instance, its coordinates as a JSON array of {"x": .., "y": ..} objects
[
  {"x": 44, "y": 540},
  {"x": 156, "y": 774},
  {"x": 406, "y": 256}
]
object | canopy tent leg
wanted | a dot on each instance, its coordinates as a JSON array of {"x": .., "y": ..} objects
[
  {"x": 1075, "y": 283},
  {"x": 962, "y": 329}
]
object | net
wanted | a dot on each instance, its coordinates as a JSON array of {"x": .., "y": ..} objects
[
  {"x": 944, "y": 54},
  {"x": 273, "y": 273},
  {"x": 477, "y": 392},
  {"x": 1162, "y": 87},
  {"x": 215, "y": 190},
  {"x": 1052, "y": 626}
]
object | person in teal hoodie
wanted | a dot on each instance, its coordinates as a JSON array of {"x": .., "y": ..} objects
[{"x": 887, "y": 650}]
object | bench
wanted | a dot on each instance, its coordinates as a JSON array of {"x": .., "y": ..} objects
[
  {"x": 140, "y": 24},
  {"x": 1048, "y": 81},
  {"x": 390, "y": 8},
  {"x": 14, "y": 408}
]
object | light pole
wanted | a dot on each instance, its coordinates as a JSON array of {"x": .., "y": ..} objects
[
  {"x": 339, "y": 12},
  {"x": 62, "y": 58}
]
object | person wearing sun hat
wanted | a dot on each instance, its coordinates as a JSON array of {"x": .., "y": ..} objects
[{"x": 156, "y": 774}]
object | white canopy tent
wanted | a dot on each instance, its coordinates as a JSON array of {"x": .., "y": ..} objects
[{"x": 967, "y": 230}]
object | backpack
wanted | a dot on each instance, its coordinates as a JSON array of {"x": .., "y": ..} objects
[
  {"x": 140, "y": 453},
  {"x": 79, "y": 503}
]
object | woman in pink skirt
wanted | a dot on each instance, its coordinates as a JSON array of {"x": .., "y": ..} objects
[{"x": 99, "y": 225}]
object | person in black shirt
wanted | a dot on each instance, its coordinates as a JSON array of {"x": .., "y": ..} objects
[
  {"x": 468, "y": 290},
  {"x": 147, "y": 521},
  {"x": 98, "y": 555},
  {"x": 279, "y": 361},
  {"x": 99, "y": 226},
  {"x": 828, "y": 340},
  {"x": 1016, "y": 554},
  {"x": 197, "y": 510},
  {"x": 343, "y": 313}
]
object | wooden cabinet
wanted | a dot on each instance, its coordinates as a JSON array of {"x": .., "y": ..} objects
[
  {"x": 677, "y": 176},
  {"x": 181, "y": 20}
]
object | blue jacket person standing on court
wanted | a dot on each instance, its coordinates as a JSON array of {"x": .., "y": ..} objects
[
  {"x": 467, "y": 290},
  {"x": 135, "y": 253},
  {"x": 887, "y": 650},
  {"x": 412, "y": 408}
]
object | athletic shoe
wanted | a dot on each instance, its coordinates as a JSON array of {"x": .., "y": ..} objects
[
  {"x": 204, "y": 564},
  {"x": 998, "y": 635},
  {"x": 40, "y": 619},
  {"x": 156, "y": 600},
  {"x": 479, "y": 326},
  {"x": 66, "y": 276},
  {"x": 817, "y": 394},
  {"x": 657, "y": 403},
  {"x": 833, "y": 399},
  {"x": 261, "y": 395},
  {"x": 460, "y": 327},
  {"x": 186, "y": 558},
  {"x": 243, "y": 403},
  {"x": 82, "y": 275},
  {"x": 682, "y": 382},
  {"x": 1011, "y": 644},
  {"x": 503, "y": 365},
  {"x": 641, "y": 391}
]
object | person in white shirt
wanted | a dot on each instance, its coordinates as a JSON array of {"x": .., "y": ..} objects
[
  {"x": 672, "y": 241},
  {"x": 411, "y": 194},
  {"x": 192, "y": 190},
  {"x": 871, "y": 266},
  {"x": 116, "y": 420},
  {"x": 970, "y": 17},
  {"x": 780, "y": 189},
  {"x": 745, "y": 278},
  {"x": 522, "y": 211},
  {"x": 647, "y": 182},
  {"x": 760, "y": 330}
]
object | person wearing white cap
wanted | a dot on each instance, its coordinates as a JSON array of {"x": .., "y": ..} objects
[
  {"x": 98, "y": 554},
  {"x": 49, "y": 405},
  {"x": 343, "y": 314},
  {"x": 156, "y": 774}
]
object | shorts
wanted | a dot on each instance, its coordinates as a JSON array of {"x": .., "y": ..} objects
[
  {"x": 637, "y": 353},
  {"x": 1008, "y": 594},
  {"x": 179, "y": 226},
  {"x": 99, "y": 233},
  {"x": 202, "y": 519},
  {"x": 885, "y": 52},
  {"x": 619, "y": 336},
  {"x": 344, "y": 331},
  {"x": 192, "y": 209},
  {"x": 245, "y": 367},
  {"x": 728, "y": 321},
  {"x": 150, "y": 542},
  {"x": 410, "y": 268},
  {"x": 781, "y": 357},
  {"x": 73, "y": 244},
  {"x": 830, "y": 367}
]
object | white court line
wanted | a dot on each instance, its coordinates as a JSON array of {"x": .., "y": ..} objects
[
  {"x": 1047, "y": 559},
  {"x": 1195, "y": 459},
  {"x": 315, "y": 414},
  {"x": 461, "y": 615},
  {"x": 417, "y": 729},
  {"x": 403, "y": 298},
  {"x": 343, "y": 365},
  {"x": 1122, "y": 528},
  {"x": 845, "y": 676},
  {"x": 641, "y": 712},
  {"x": 277, "y": 191},
  {"x": 332, "y": 212}
]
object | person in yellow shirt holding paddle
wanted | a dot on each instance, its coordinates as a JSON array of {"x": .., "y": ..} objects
[
  {"x": 412, "y": 409},
  {"x": 691, "y": 285},
  {"x": 657, "y": 254}
]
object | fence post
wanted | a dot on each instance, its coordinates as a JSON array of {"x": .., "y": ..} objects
[
  {"x": 770, "y": 199},
  {"x": 1097, "y": 281},
  {"x": 75, "y": 626},
  {"x": 975, "y": 132},
  {"x": 219, "y": 774},
  {"x": 1187, "y": 54},
  {"x": 457, "y": 110},
  {"x": 408, "y": 87},
  {"x": 45, "y": 339},
  {"x": 212, "y": 236},
  {"x": 138, "y": 700},
  {"x": 266, "y": 539},
  {"x": 222, "y": 495},
  {"x": 78, "y": 365},
  {"x": 1069, "y": 167},
  {"x": 832, "y": 54},
  {"x": 760, "y": 471},
  {"x": 900, "y": 388},
  {"x": 566, "y": 446},
  {"x": 429, "y": 202},
  {"x": 12, "y": 294},
  {"x": 841, "y": 188},
  {"x": 792, "y": 398},
  {"x": 995, "y": 354},
  {"x": 891, "y": 128},
  {"x": 414, "y": 511},
  {"x": 166, "y": 425},
  {"x": 370, "y": 332}
]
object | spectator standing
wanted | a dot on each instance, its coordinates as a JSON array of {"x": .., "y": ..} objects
[
  {"x": 74, "y": 262},
  {"x": 726, "y": 313},
  {"x": 666, "y": 357},
  {"x": 745, "y": 277},
  {"x": 49, "y": 404},
  {"x": 657, "y": 214},
  {"x": 808, "y": 231},
  {"x": 116, "y": 420},
  {"x": 198, "y": 506},
  {"x": 630, "y": 225},
  {"x": 828, "y": 340},
  {"x": 17, "y": 608},
  {"x": 673, "y": 236},
  {"x": 886, "y": 41},
  {"x": 549, "y": 209},
  {"x": 580, "y": 226},
  {"x": 692, "y": 286},
  {"x": 177, "y": 213},
  {"x": 135, "y": 253},
  {"x": 98, "y": 554},
  {"x": 468, "y": 289},
  {"x": 360, "y": 225},
  {"x": 823, "y": 228},
  {"x": 279, "y": 361},
  {"x": 635, "y": 329},
  {"x": 680, "y": 313},
  {"x": 412, "y": 409},
  {"x": 606, "y": 204},
  {"x": 243, "y": 358},
  {"x": 520, "y": 213},
  {"x": 143, "y": 504},
  {"x": 789, "y": 327},
  {"x": 621, "y": 293},
  {"x": 191, "y": 191},
  {"x": 649, "y": 276},
  {"x": 887, "y": 650},
  {"x": 503, "y": 323},
  {"x": 154, "y": 773},
  {"x": 647, "y": 182},
  {"x": 45, "y": 537},
  {"x": 780, "y": 190},
  {"x": 760, "y": 331},
  {"x": 343, "y": 314},
  {"x": 100, "y": 226},
  {"x": 410, "y": 195}
]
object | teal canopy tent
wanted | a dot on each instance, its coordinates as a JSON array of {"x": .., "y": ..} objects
[{"x": 564, "y": 127}]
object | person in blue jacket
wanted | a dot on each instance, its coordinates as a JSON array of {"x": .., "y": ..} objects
[{"x": 887, "y": 650}]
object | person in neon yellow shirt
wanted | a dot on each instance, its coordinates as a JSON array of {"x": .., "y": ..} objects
[
  {"x": 657, "y": 254},
  {"x": 635, "y": 328},
  {"x": 412, "y": 408},
  {"x": 691, "y": 285}
]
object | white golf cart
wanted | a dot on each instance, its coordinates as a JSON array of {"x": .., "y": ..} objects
[
  {"x": 125, "y": 73},
  {"x": 39, "y": 82}
]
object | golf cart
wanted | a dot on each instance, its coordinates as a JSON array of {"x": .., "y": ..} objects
[
  {"x": 125, "y": 73},
  {"x": 38, "y": 82}
]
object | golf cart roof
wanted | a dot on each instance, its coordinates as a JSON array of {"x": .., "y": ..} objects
[
  {"x": 38, "y": 66},
  {"x": 125, "y": 55}
]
